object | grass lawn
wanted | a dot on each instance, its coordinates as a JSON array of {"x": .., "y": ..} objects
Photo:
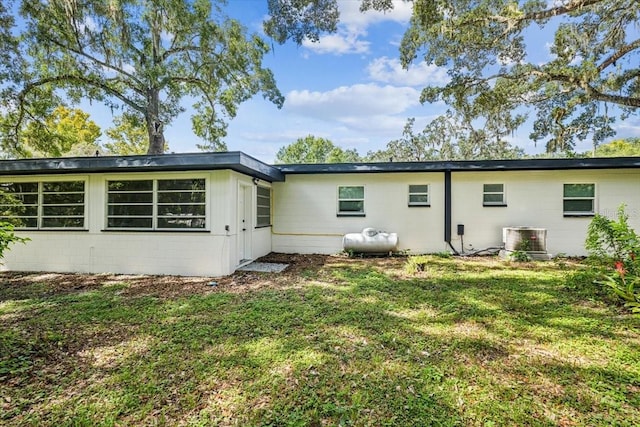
[{"x": 333, "y": 341}]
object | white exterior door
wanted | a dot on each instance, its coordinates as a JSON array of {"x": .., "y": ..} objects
[{"x": 245, "y": 222}]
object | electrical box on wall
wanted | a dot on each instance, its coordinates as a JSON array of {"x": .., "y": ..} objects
[{"x": 460, "y": 229}]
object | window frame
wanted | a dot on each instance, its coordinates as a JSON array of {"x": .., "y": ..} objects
[
  {"x": 156, "y": 204},
  {"x": 426, "y": 204},
  {"x": 40, "y": 205},
  {"x": 341, "y": 213},
  {"x": 497, "y": 204},
  {"x": 268, "y": 205},
  {"x": 569, "y": 214}
]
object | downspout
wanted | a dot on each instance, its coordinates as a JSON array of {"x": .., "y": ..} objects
[{"x": 447, "y": 210}]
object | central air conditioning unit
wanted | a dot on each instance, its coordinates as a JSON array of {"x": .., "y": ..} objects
[{"x": 527, "y": 239}]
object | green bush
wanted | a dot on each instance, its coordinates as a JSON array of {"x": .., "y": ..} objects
[
  {"x": 8, "y": 237},
  {"x": 615, "y": 247}
]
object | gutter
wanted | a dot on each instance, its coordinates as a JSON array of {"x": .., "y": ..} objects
[{"x": 447, "y": 210}]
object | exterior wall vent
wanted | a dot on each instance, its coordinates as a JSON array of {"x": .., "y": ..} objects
[{"x": 527, "y": 239}]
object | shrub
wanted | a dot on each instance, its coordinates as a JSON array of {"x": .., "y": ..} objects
[
  {"x": 616, "y": 248},
  {"x": 8, "y": 237}
]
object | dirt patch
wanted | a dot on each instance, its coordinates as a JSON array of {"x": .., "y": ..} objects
[{"x": 25, "y": 285}]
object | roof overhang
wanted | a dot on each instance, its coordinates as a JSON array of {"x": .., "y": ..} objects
[
  {"x": 236, "y": 161},
  {"x": 465, "y": 165}
]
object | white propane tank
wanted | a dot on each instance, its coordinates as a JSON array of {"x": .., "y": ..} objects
[{"x": 370, "y": 240}]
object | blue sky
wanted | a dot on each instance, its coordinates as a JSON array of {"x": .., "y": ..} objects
[{"x": 349, "y": 88}]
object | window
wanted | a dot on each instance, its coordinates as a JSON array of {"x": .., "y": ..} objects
[
  {"x": 263, "y": 207},
  {"x": 493, "y": 195},
  {"x": 418, "y": 195},
  {"x": 579, "y": 199},
  {"x": 43, "y": 205},
  {"x": 163, "y": 204},
  {"x": 351, "y": 201}
]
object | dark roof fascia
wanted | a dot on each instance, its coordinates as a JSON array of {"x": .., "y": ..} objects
[
  {"x": 234, "y": 160},
  {"x": 464, "y": 165}
]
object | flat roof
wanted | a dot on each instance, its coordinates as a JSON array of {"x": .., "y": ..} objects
[
  {"x": 233, "y": 160},
  {"x": 245, "y": 164},
  {"x": 464, "y": 165}
]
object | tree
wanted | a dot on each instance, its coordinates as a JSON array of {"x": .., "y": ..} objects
[
  {"x": 629, "y": 147},
  {"x": 483, "y": 45},
  {"x": 65, "y": 132},
  {"x": 143, "y": 57},
  {"x": 448, "y": 137},
  {"x": 312, "y": 149},
  {"x": 128, "y": 136}
]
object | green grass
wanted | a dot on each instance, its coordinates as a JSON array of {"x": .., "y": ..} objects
[{"x": 355, "y": 342}]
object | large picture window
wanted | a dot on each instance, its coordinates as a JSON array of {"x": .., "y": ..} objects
[
  {"x": 162, "y": 204},
  {"x": 579, "y": 199},
  {"x": 43, "y": 205},
  {"x": 351, "y": 200},
  {"x": 263, "y": 207}
]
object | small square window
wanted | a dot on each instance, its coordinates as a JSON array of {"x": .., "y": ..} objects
[
  {"x": 351, "y": 200},
  {"x": 419, "y": 195},
  {"x": 579, "y": 199},
  {"x": 493, "y": 195}
]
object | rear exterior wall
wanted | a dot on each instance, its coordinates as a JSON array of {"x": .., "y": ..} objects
[
  {"x": 306, "y": 220},
  {"x": 208, "y": 252},
  {"x": 306, "y": 211},
  {"x": 535, "y": 199}
]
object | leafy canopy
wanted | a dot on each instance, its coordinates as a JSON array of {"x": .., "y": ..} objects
[
  {"x": 313, "y": 149},
  {"x": 128, "y": 136},
  {"x": 629, "y": 147},
  {"x": 486, "y": 46},
  {"x": 142, "y": 57},
  {"x": 65, "y": 132},
  {"x": 449, "y": 137}
]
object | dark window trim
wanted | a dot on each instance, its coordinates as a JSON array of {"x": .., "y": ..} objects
[
  {"x": 49, "y": 230},
  {"x": 490, "y": 205},
  {"x": 340, "y": 213},
  {"x": 576, "y": 215},
  {"x": 419, "y": 206},
  {"x": 163, "y": 231},
  {"x": 358, "y": 215},
  {"x": 262, "y": 226}
]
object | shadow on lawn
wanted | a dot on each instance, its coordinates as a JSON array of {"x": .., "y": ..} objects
[{"x": 355, "y": 345}]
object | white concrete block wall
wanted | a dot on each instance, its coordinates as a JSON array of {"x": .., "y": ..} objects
[
  {"x": 306, "y": 221},
  {"x": 305, "y": 206},
  {"x": 209, "y": 253},
  {"x": 535, "y": 198}
]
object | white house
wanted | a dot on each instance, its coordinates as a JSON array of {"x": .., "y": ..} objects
[{"x": 209, "y": 213}]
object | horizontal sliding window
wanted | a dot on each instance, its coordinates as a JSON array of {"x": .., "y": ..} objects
[
  {"x": 163, "y": 204},
  {"x": 43, "y": 205}
]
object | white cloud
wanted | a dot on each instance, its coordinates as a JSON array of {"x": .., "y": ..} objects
[
  {"x": 350, "y": 15},
  {"x": 353, "y": 27},
  {"x": 352, "y": 101},
  {"x": 389, "y": 70},
  {"x": 343, "y": 42}
]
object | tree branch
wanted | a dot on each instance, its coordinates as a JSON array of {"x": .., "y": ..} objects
[
  {"x": 560, "y": 10},
  {"x": 619, "y": 54},
  {"x": 81, "y": 79},
  {"x": 84, "y": 54}
]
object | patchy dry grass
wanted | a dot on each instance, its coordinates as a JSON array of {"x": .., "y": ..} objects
[{"x": 332, "y": 341}]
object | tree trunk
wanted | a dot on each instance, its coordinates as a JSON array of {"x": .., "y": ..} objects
[{"x": 155, "y": 128}]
